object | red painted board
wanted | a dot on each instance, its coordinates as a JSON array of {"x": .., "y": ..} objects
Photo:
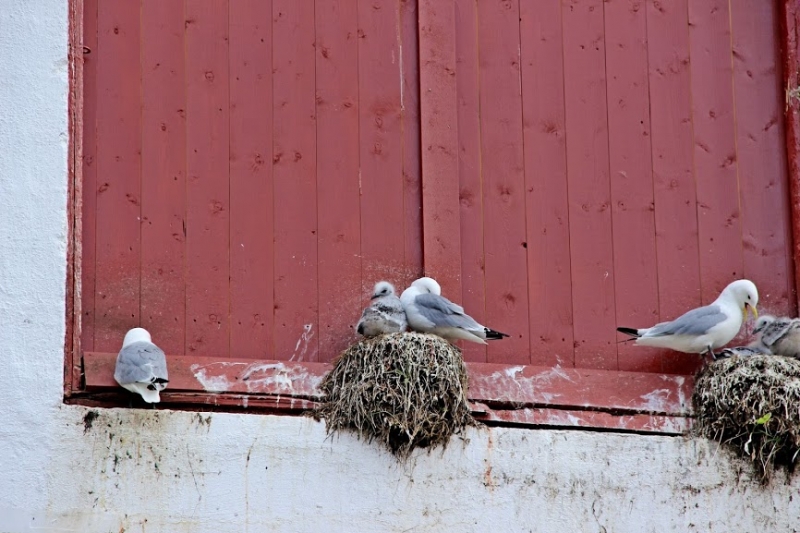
[
  {"x": 340, "y": 296},
  {"x": 118, "y": 187},
  {"x": 556, "y": 386},
  {"x": 790, "y": 47},
  {"x": 439, "y": 114},
  {"x": 719, "y": 220},
  {"x": 547, "y": 217},
  {"x": 500, "y": 387},
  {"x": 208, "y": 184},
  {"x": 590, "y": 225},
  {"x": 221, "y": 374},
  {"x": 469, "y": 170},
  {"x": 380, "y": 79},
  {"x": 564, "y": 418},
  {"x": 503, "y": 175},
  {"x": 288, "y": 387},
  {"x": 631, "y": 171},
  {"x": 75, "y": 164},
  {"x": 410, "y": 118},
  {"x": 295, "y": 181},
  {"x": 673, "y": 178},
  {"x": 163, "y": 174},
  {"x": 251, "y": 199},
  {"x": 201, "y": 402},
  {"x": 88, "y": 176},
  {"x": 761, "y": 141}
]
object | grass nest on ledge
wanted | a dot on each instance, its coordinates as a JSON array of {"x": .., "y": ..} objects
[
  {"x": 403, "y": 390},
  {"x": 752, "y": 404}
]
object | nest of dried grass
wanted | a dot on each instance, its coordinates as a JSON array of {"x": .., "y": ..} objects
[
  {"x": 753, "y": 405},
  {"x": 404, "y": 390}
]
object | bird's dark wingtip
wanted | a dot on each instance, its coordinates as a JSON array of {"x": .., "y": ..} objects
[
  {"x": 629, "y": 331},
  {"x": 492, "y": 335}
]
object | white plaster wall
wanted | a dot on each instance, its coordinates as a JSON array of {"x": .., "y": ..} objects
[{"x": 158, "y": 471}]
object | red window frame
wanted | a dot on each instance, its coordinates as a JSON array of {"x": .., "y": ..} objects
[{"x": 519, "y": 395}]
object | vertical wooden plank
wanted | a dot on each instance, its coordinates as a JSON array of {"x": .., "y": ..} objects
[
  {"x": 469, "y": 171},
  {"x": 337, "y": 168},
  {"x": 89, "y": 175},
  {"x": 163, "y": 174},
  {"x": 72, "y": 347},
  {"x": 207, "y": 188},
  {"x": 295, "y": 183},
  {"x": 590, "y": 227},
  {"x": 631, "y": 174},
  {"x": 763, "y": 171},
  {"x": 674, "y": 183},
  {"x": 251, "y": 251},
  {"x": 790, "y": 47},
  {"x": 410, "y": 119},
  {"x": 439, "y": 114},
  {"x": 718, "y": 217},
  {"x": 380, "y": 81},
  {"x": 503, "y": 178},
  {"x": 549, "y": 270},
  {"x": 117, "y": 281}
]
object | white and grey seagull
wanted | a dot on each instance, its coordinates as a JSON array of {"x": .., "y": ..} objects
[
  {"x": 429, "y": 312},
  {"x": 384, "y": 314},
  {"x": 704, "y": 329},
  {"x": 141, "y": 366}
]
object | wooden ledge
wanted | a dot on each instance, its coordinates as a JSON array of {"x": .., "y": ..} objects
[{"x": 518, "y": 395}]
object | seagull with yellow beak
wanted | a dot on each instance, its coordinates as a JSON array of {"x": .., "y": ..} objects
[{"x": 704, "y": 329}]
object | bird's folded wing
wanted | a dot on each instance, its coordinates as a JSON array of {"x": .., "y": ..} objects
[
  {"x": 776, "y": 331},
  {"x": 441, "y": 312},
  {"x": 140, "y": 362},
  {"x": 696, "y": 322}
]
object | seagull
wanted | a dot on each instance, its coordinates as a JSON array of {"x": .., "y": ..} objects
[
  {"x": 704, "y": 329},
  {"x": 384, "y": 315},
  {"x": 141, "y": 366},
  {"x": 429, "y": 312},
  {"x": 780, "y": 336}
]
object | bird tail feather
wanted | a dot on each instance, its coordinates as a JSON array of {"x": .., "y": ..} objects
[
  {"x": 495, "y": 335},
  {"x": 629, "y": 331}
]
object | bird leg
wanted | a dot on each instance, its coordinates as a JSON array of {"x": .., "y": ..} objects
[{"x": 710, "y": 351}]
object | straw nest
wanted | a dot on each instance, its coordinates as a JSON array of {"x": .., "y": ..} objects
[
  {"x": 753, "y": 405},
  {"x": 403, "y": 390}
]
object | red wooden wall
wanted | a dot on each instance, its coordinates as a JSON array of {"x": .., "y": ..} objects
[
  {"x": 619, "y": 162},
  {"x": 252, "y": 167}
]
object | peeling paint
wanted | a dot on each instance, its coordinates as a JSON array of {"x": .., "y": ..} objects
[
  {"x": 275, "y": 377},
  {"x": 302, "y": 343},
  {"x": 218, "y": 383},
  {"x": 656, "y": 401}
]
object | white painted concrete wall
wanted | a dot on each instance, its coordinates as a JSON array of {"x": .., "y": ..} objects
[{"x": 165, "y": 472}]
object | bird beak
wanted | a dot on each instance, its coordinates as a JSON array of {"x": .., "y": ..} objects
[
  {"x": 374, "y": 296},
  {"x": 751, "y": 308}
]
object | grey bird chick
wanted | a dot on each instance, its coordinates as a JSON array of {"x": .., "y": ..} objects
[
  {"x": 779, "y": 335},
  {"x": 141, "y": 366},
  {"x": 384, "y": 314}
]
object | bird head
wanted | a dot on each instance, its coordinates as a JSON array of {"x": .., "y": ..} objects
[
  {"x": 745, "y": 294},
  {"x": 427, "y": 285},
  {"x": 136, "y": 335},
  {"x": 382, "y": 288},
  {"x": 762, "y": 322}
]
